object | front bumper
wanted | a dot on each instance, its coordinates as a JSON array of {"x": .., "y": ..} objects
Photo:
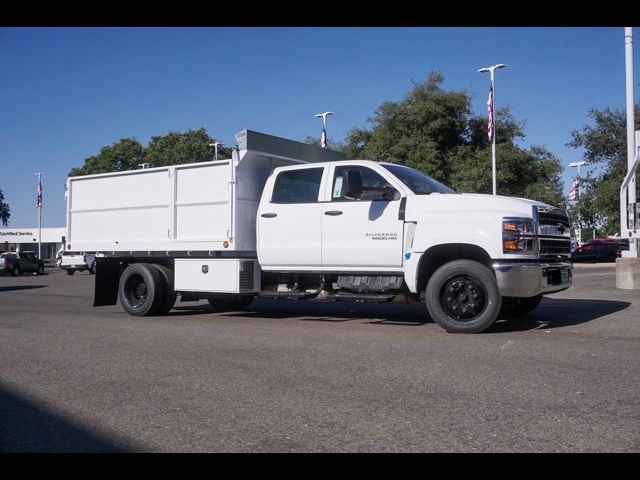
[{"x": 531, "y": 279}]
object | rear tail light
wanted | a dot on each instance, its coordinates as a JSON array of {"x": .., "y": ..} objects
[
  {"x": 84, "y": 258},
  {"x": 6, "y": 263}
]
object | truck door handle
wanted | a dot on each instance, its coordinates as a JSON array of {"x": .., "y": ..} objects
[
  {"x": 269, "y": 215},
  {"x": 333, "y": 213}
]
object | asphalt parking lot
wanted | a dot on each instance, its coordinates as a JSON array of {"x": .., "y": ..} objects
[{"x": 296, "y": 376}]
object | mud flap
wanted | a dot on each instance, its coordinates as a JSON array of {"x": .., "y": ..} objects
[{"x": 107, "y": 275}]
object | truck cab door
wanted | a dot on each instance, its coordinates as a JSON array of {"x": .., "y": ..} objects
[
  {"x": 361, "y": 230},
  {"x": 289, "y": 220}
]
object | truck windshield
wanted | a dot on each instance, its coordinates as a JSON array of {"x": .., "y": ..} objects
[{"x": 418, "y": 182}]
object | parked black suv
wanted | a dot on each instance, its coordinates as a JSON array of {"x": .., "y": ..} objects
[{"x": 18, "y": 263}]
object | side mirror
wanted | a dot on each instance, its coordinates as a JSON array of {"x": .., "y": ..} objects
[
  {"x": 352, "y": 184},
  {"x": 390, "y": 194}
]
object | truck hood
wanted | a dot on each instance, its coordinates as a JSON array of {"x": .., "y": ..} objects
[{"x": 471, "y": 203}]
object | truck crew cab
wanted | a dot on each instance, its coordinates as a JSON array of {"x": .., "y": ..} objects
[{"x": 282, "y": 219}]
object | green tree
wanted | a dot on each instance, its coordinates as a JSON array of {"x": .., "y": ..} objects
[
  {"x": 171, "y": 149},
  {"x": 188, "y": 147},
  {"x": 5, "y": 212},
  {"x": 604, "y": 141},
  {"x": 417, "y": 130},
  {"x": 433, "y": 130},
  {"x": 585, "y": 212},
  {"x": 125, "y": 154}
]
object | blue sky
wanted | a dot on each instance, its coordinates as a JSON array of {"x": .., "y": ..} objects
[{"x": 66, "y": 92}]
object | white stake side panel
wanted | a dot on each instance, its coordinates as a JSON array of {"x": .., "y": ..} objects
[{"x": 182, "y": 207}]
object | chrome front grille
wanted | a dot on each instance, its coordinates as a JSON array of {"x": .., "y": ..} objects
[{"x": 554, "y": 233}]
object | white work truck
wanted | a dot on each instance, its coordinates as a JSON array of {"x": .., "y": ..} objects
[
  {"x": 72, "y": 262},
  {"x": 283, "y": 219}
]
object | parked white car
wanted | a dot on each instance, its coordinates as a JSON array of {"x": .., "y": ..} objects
[{"x": 73, "y": 262}]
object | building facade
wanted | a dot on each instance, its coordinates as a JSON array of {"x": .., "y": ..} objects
[{"x": 26, "y": 239}]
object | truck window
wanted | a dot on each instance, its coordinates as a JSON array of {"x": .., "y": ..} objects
[
  {"x": 418, "y": 182},
  {"x": 373, "y": 184},
  {"x": 297, "y": 186}
]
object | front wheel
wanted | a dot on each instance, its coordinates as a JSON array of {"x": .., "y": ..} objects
[
  {"x": 15, "y": 271},
  {"x": 462, "y": 297},
  {"x": 40, "y": 270},
  {"x": 70, "y": 272}
]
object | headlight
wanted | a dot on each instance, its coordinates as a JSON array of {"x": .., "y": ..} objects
[{"x": 518, "y": 235}]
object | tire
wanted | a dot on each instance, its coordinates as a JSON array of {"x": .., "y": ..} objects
[
  {"x": 462, "y": 297},
  {"x": 15, "y": 271},
  {"x": 40, "y": 270},
  {"x": 141, "y": 289},
  {"x": 170, "y": 295},
  {"x": 230, "y": 302},
  {"x": 514, "y": 307},
  {"x": 70, "y": 272}
]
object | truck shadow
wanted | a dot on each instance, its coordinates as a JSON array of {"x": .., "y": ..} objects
[
  {"x": 20, "y": 287},
  {"x": 551, "y": 313},
  {"x": 559, "y": 312},
  {"x": 311, "y": 311},
  {"x": 29, "y": 428}
]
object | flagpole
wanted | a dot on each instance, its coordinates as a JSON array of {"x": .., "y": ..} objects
[{"x": 493, "y": 122}]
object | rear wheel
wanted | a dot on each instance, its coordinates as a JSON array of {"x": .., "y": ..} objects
[
  {"x": 70, "y": 271},
  {"x": 462, "y": 297},
  {"x": 230, "y": 302},
  {"x": 141, "y": 289},
  {"x": 15, "y": 271},
  {"x": 40, "y": 270},
  {"x": 170, "y": 295}
]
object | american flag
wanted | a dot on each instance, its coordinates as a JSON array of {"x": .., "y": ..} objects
[
  {"x": 490, "y": 114},
  {"x": 39, "y": 192},
  {"x": 573, "y": 193},
  {"x": 323, "y": 139}
]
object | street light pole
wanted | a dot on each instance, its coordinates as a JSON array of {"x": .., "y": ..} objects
[
  {"x": 578, "y": 165},
  {"x": 492, "y": 70},
  {"x": 323, "y": 138},
  {"x": 215, "y": 151},
  {"x": 39, "y": 175}
]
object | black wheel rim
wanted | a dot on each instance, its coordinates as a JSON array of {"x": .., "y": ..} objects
[
  {"x": 136, "y": 290},
  {"x": 463, "y": 297}
]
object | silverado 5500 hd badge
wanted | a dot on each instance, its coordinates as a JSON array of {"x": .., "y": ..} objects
[{"x": 382, "y": 236}]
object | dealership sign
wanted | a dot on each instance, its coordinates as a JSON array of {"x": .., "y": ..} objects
[{"x": 28, "y": 235}]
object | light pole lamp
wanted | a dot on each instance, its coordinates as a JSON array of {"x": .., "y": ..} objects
[
  {"x": 323, "y": 138},
  {"x": 490, "y": 105},
  {"x": 578, "y": 164}
]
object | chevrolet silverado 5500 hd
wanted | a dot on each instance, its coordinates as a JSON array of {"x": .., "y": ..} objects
[{"x": 283, "y": 219}]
